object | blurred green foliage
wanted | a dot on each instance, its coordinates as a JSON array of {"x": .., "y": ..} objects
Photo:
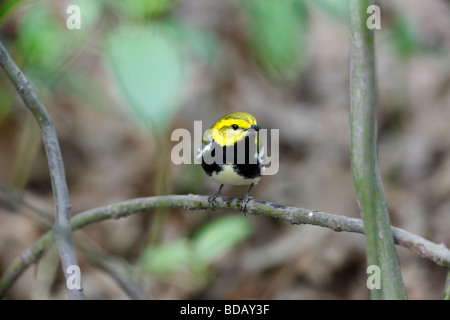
[
  {"x": 187, "y": 261},
  {"x": 218, "y": 236},
  {"x": 149, "y": 66},
  {"x": 149, "y": 70},
  {"x": 41, "y": 50},
  {"x": 338, "y": 9},
  {"x": 7, "y": 6},
  {"x": 144, "y": 9},
  {"x": 277, "y": 35},
  {"x": 196, "y": 42},
  {"x": 46, "y": 44},
  {"x": 405, "y": 38}
]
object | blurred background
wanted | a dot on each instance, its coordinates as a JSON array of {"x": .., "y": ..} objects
[{"x": 117, "y": 87}]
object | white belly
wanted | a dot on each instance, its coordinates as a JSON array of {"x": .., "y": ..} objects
[{"x": 228, "y": 176}]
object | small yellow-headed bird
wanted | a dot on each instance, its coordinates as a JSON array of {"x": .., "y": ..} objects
[{"x": 232, "y": 153}]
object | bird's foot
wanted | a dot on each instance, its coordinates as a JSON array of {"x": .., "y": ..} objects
[
  {"x": 213, "y": 197},
  {"x": 244, "y": 202}
]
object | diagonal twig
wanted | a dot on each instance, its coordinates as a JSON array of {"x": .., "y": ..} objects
[{"x": 62, "y": 226}]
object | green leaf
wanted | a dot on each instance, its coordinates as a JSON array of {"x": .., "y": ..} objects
[
  {"x": 194, "y": 256},
  {"x": 216, "y": 237},
  {"x": 339, "y": 8},
  {"x": 89, "y": 13},
  {"x": 8, "y": 6},
  {"x": 147, "y": 67},
  {"x": 141, "y": 9},
  {"x": 277, "y": 34},
  {"x": 405, "y": 38},
  {"x": 41, "y": 39},
  {"x": 164, "y": 259},
  {"x": 200, "y": 42},
  {"x": 47, "y": 44}
]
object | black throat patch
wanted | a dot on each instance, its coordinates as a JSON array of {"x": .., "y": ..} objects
[{"x": 242, "y": 155}]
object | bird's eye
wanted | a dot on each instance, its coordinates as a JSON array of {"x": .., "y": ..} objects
[{"x": 235, "y": 126}]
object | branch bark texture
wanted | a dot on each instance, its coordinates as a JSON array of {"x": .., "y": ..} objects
[
  {"x": 62, "y": 226},
  {"x": 363, "y": 153},
  {"x": 437, "y": 253}
]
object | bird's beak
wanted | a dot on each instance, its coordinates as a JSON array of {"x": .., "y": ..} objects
[{"x": 256, "y": 127}]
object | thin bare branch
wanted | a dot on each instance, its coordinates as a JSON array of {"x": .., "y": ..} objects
[
  {"x": 62, "y": 226},
  {"x": 437, "y": 253}
]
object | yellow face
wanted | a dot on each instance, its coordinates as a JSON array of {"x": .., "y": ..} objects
[{"x": 232, "y": 127}]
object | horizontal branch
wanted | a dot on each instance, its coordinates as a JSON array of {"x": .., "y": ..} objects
[{"x": 437, "y": 253}]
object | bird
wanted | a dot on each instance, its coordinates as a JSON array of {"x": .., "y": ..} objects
[{"x": 232, "y": 153}]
